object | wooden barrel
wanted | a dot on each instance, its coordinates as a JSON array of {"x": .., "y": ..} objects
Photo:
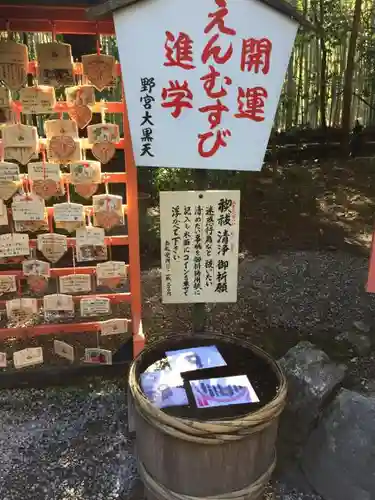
[{"x": 185, "y": 459}]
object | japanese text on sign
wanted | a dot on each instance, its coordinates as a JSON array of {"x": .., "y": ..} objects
[
  {"x": 147, "y": 100},
  {"x": 199, "y": 243},
  {"x": 216, "y": 71}
]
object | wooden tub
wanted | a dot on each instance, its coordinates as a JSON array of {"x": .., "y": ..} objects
[{"x": 186, "y": 459}]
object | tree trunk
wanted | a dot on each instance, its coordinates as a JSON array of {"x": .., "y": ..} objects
[
  {"x": 348, "y": 78},
  {"x": 290, "y": 95},
  {"x": 290, "y": 87},
  {"x": 297, "y": 109},
  {"x": 323, "y": 69}
]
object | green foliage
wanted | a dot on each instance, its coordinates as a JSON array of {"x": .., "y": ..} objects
[{"x": 174, "y": 179}]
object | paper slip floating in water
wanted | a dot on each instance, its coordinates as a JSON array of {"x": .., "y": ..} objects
[
  {"x": 223, "y": 391},
  {"x": 195, "y": 358},
  {"x": 163, "y": 388}
]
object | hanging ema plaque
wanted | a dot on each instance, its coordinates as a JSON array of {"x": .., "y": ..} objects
[
  {"x": 14, "y": 60},
  {"x": 55, "y": 64},
  {"x": 103, "y": 138},
  {"x": 199, "y": 245},
  {"x": 99, "y": 69},
  {"x": 20, "y": 142}
]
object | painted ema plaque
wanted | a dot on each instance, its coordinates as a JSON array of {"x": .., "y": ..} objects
[
  {"x": 199, "y": 246},
  {"x": 215, "y": 68}
]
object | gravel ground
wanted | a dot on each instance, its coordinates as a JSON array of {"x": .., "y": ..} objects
[
  {"x": 285, "y": 298},
  {"x": 72, "y": 444},
  {"x": 279, "y": 491},
  {"x": 65, "y": 444}
]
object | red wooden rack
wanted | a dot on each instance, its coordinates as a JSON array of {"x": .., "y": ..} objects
[{"x": 72, "y": 20}]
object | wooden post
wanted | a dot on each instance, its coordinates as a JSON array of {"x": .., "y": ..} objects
[{"x": 199, "y": 309}]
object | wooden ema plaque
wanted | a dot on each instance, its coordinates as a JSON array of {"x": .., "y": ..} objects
[
  {"x": 103, "y": 138},
  {"x": 55, "y": 64},
  {"x": 20, "y": 142},
  {"x": 14, "y": 59},
  {"x": 100, "y": 69}
]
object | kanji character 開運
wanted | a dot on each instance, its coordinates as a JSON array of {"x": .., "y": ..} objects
[
  {"x": 215, "y": 51},
  {"x": 256, "y": 55},
  {"x": 215, "y": 113},
  {"x": 217, "y": 19},
  {"x": 177, "y": 96},
  {"x": 251, "y": 103},
  {"x": 218, "y": 142},
  {"x": 179, "y": 51},
  {"x": 210, "y": 81}
]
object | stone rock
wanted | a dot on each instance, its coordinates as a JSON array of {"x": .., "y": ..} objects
[
  {"x": 338, "y": 459},
  {"x": 367, "y": 387},
  {"x": 359, "y": 341},
  {"x": 312, "y": 378},
  {"x": 362, "y": 326}
]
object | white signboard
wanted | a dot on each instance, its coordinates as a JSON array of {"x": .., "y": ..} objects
[
  {"x": 199, "y": 246},
  {"x": 215, "y": 68},
  {"x": 223, "y": 391}
]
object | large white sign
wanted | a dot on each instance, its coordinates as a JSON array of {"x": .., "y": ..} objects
[
  {"x": 199, "y": 245},
  {"x": 202, "y": 80}
]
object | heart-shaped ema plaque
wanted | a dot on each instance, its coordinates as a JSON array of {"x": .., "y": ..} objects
[
  {"x": 104, "y": 151},
  {"x": 86, "y": 190},
  {"x": 37, "y": 284},
  {"x": 62, "y": 147},
  {"x": 108, "y": 220},
  {"x": 81, "y": 114},
  {"x": 111, "y": 283},
  {"x": 108, "y": 210},
  {"x": 111, "y": 274},
  {"x": 47, "y": 188}
]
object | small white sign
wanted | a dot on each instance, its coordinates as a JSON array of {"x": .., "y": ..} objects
[
  {"x": 98, "y": 356},
  {"x": 14, "y": 245},
  {"x": 3, "y": 359},
  {"x": 164, "y": 388},
  {"x": 90, "y": 235},
  {"x": 223, "y": 391},
  {"x": 9, "y": 172},
  {"x": 75, "y": 283},
  {"x": 28, "y": 357},
  {"x": 95, "y": 306},
  {"x": 8, "y": 283},
  {"x": 28, "y": 208},
  {"x": 68, "y": 212},
  {"x": 63, "y": 350},
  {"x": 195, "y": 358},
  {"x": 113, "y": 327},
  {"x": 40, "y": 171},
  {"x": 199, "y": 246}
]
